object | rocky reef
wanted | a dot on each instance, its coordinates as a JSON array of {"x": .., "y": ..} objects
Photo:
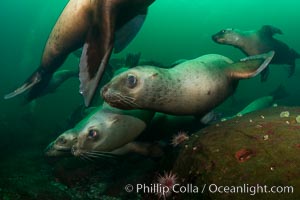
[{"x": 261, "y": 148}]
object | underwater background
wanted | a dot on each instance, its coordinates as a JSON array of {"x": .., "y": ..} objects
[{"x": 173, "y": 30}]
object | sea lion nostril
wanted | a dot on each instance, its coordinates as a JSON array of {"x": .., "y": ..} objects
[
  {"x": 73, "y": 149},
  {"x": 104, "y": 90}
]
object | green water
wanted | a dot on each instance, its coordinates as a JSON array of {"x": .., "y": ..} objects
[{"x": 174, "y": 29}]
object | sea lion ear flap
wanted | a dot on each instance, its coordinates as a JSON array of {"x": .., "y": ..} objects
[{"x": 250, "y": 66}]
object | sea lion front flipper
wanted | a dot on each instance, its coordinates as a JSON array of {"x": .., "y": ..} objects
[
  {"x": 270, "y": 30},
  {"x": 128, "y": 32},
  {"x": 264, "y": 74},
  {"x": 249, "y": 66},
  {"x": 95, "y": 55}
]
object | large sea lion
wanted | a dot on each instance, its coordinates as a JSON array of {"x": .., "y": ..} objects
[
  {"x": 193, "y": 87},
  {"x": 260, "y": 41},
  {"x": 96, "y": 25}
]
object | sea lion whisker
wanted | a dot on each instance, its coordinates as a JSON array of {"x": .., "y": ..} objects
[
  {"x": 98, "y": 157},
  {"x": 87, "y": 157},
  {"x": 102, "y": 152},
  {"x": 131, "y": 101},
  {"x": 102, "y": 155},
  {"x": 83, "y": 158},
  {"x": 128, "y": 101},
  {"x": 128, "y": 97}
]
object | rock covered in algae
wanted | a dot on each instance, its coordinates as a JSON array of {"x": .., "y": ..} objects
[{"x": 244, "y": 151}]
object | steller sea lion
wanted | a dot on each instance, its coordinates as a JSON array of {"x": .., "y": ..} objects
[
  {"x": 105, "y": 129},
  {"x": 108, "y": 129},
  {"x": 262, "y": 102},
  {"x": 62, "y": 145},
  {"x": 193, "y": 87},
  {"x": 260, "y": 41},
  {"x": 96, "y": 25}
]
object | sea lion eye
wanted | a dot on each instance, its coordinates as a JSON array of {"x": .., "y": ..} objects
[
  {"x": 92, "y": 133},
  {"x": 131, "y": 81},
  {"x": 62, "y": 140}
]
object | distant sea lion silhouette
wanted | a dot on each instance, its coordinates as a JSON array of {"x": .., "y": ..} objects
[
  {"x": 98, "y": 26},
  {"x": 260, "y": 41},
  {"x": 193, "y": 87}
]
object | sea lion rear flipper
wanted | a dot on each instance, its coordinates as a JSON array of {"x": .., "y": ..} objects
[
  {"x": 291, "y": 69},
  {"x": 33, "y": 80},
  {"x": 128, "y": 32},
  {"x": 132, "y": 59},
  {"x": 270, "y": 30},
  {"x": 264, "y": 74},
  {"x": 250, "y": 66}
]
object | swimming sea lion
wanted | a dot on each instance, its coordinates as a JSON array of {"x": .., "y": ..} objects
[
  {"x": 62, "y": 145},
  {"x": 98, "y": 26},
  {"x": 193, "y": 87},
  {"x": 263, "y": 102},
  {"x": 108, "y": 129},
  {"x": 260, "y": 41}
]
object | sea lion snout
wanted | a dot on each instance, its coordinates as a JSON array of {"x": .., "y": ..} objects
[
  {"x": 49, "y": 149},
  {"x": 106, "y": 93},
  {"x": 215, "y": 38},
  {"x": 75, "y": 151},
  {"x": 224, "y": 36},
  {"x": 104, "y": 90}
]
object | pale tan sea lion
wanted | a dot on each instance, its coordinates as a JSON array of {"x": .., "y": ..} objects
[
  {"x": 98, "y": 26},
  {"x": 193, "y": 87},
  {"x": 108, "y": 129},
  {"x": 62, "y": 145},
  {"x": 260, "y": 41}
]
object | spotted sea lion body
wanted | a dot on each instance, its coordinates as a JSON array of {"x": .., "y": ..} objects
[{"x": 193, "y": 87}]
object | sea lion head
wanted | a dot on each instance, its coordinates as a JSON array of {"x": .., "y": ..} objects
[
  {"x": 227, "y": 36},
  {"x": 62, "y": 145},
  {"x": 105, "y": 131},
  {"x": 132, "y": 88}
]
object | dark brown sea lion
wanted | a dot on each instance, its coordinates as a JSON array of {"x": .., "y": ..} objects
[
  {"x": 260, "y": 41},
  {"x": 193, "y": 87},
  {"x": 98, "y": 26}
]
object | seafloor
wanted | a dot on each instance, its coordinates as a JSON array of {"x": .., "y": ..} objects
[{"x": 258, "y": 148}]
